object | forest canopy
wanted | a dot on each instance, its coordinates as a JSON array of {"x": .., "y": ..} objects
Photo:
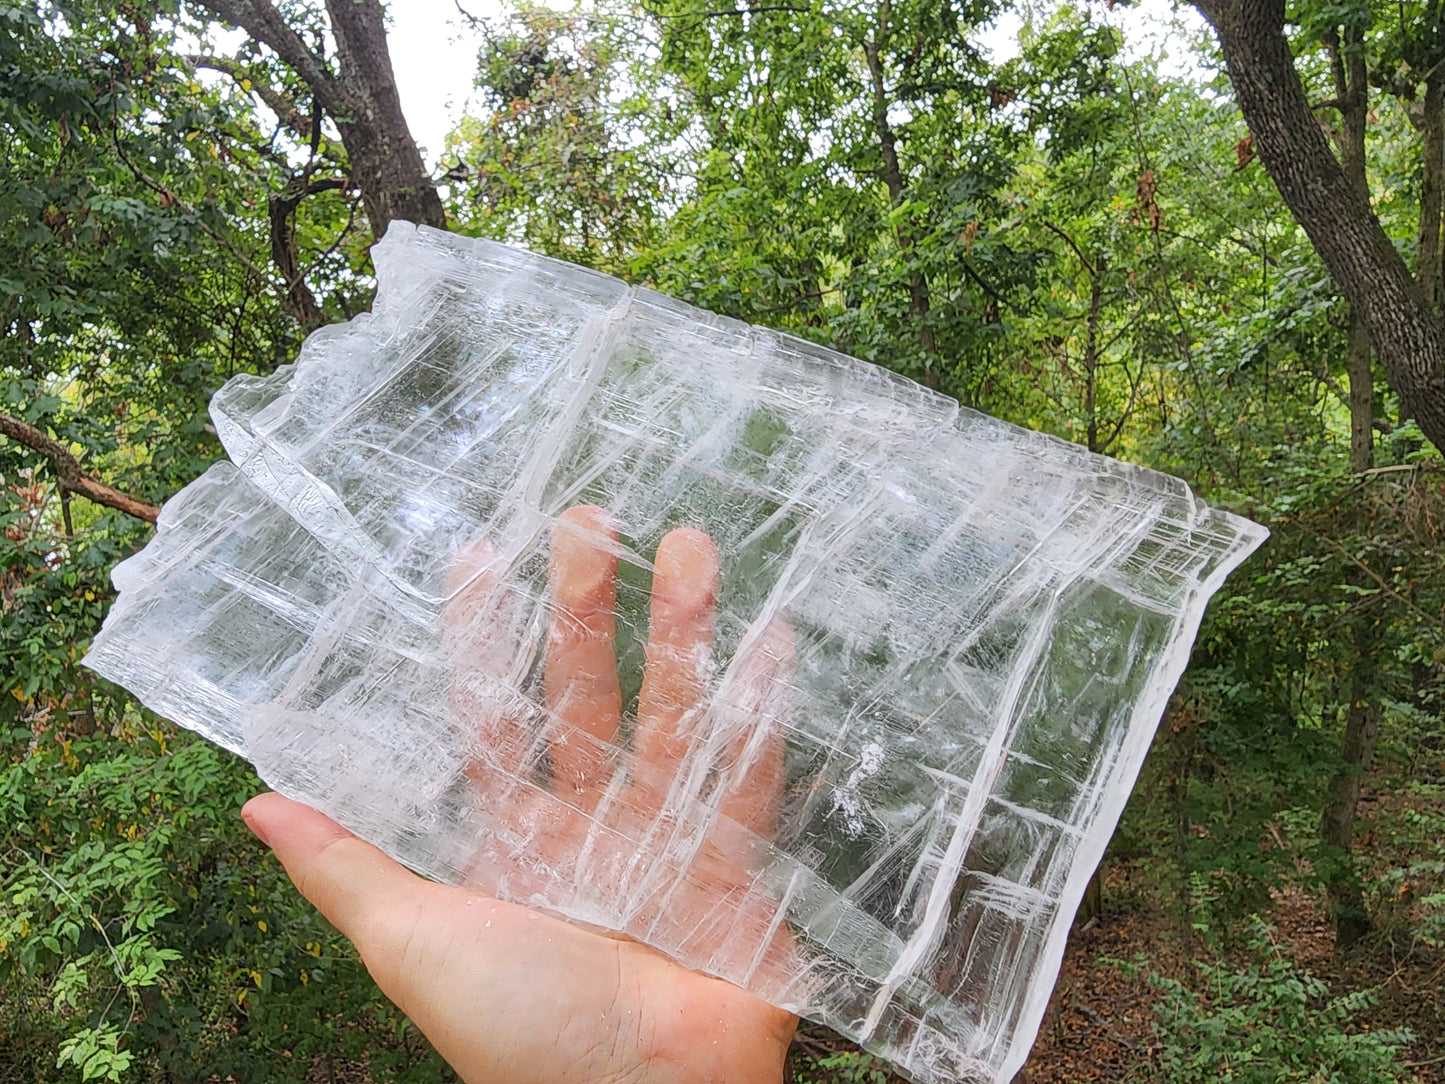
[{"x": 1231, "y": 269}]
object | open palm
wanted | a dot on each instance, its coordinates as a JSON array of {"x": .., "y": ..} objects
[{"x": 507, "y": 994}]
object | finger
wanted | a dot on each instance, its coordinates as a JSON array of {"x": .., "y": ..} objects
[
  {"x": 679, "y": 651},
  {"x": 483, "y": 623},
  {"x": 761, "y": 953},
  {"x": 579, "y": 680},
  {"x": 753, "y": 787},
  {"x": 357, "y": 887}
]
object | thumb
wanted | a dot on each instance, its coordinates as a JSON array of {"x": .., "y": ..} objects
[{"x": 357, "y": 887}]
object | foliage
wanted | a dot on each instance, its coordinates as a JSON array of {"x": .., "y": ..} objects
[
  {"x": 130, "y": 239},
  {"x": 574, "y": 158},
  {"x": 843, "y": 167},
  {"x": 140, "y": 935},
  {"x": 844, "y": 1067},
  {"x": 1071, "y": 239},
  {"x": 1409, "y": 893},
  {"x": 1268, "y": 1022},
  {"x": 138, "y": 921}
]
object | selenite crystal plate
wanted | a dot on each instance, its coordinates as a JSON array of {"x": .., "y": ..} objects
[{"x": 939, "y": 648}]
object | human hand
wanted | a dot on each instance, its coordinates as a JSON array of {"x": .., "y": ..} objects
[{"x": 507, "y": 994}]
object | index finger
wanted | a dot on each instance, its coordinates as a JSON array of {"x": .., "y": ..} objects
[
  {"x": 679, "y": 653},
  {"x": 579, "y": 679}
]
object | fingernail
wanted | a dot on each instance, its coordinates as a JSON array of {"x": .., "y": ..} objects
[
  {"x": 686, "y": 582},
  {"x": 250, "y": 821},
  {"x": 583, "y": 568}
]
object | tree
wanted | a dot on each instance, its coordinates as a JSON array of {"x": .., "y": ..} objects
[
  {"x": 850, "y": 164},
  {"x": 575, "y": 153},
  {"x": 133, "y": 281},
  {"x": 357, "y": 90},
  {"x": 1397, "y": 312},
  {"x": 1336, "y": 214},
  {"x": 131, "y": 240},
  {"x": 1072, "y": 242}
]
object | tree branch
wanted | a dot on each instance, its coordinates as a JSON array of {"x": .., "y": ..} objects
[
  {"x": 1368, "y": 571},
  {"x": 69, "y": 473},
  {"x": 736, "y": 11},
  {"x": 299, "y": 297},
  {"x": 284, "y": 108},
  {"x": 262, "y": 21},
  {"x": 1077, "y": 251}
]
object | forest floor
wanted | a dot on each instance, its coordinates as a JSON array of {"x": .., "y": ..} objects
[
  {"x": 1100, "y": 1021},
  {"x": 1099, "y": 1027},
  {"x": 1099, "y": 1024}
]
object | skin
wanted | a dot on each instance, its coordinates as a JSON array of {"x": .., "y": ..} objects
[{"x": 511, "y": 996}]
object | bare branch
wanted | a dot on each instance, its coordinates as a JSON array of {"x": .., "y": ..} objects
[
  {"x": 299, "y": 297},
  {"x": 69, "y": 473},
  {"x": 736, "y": 11},
  {"x": 477, "y": 22}
]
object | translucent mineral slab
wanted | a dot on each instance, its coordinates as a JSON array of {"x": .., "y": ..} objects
[{"x": 940, "y": 646}]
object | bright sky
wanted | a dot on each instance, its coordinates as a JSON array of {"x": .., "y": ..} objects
[
  {"x": 434, "y": 50},
  {"x": 434, "y": 55}
]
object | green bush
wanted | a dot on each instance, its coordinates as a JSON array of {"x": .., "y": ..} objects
[
  {"x": 1269, "y": 1022},
  {"x": 1408, "y": 896},
  {"x": 146, "y": 935},
  {"x": 844, "y": 1067}
]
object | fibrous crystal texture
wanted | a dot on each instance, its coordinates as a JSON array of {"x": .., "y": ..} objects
[{"x": 859, "y": 754}]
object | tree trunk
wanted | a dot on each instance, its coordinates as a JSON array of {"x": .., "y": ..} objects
[
  {"x": 1408, "y": 337},
  {"x": 1092, "y": 905},
  {"x": 1352, "y": 89},
  {"x": 385, "y": 162},
  {"x": 1183, "y": 740},
  {"x": 360, "y": 95},
  {"x": 1432, "y": 190},
  {"x": 299, "y": 298},
  {"x": 1362, "y": 714},
  {"x": 1337, "y": 818},
  {"x": 892, "y": 174},
  {"x": 1337, "y": 824}
]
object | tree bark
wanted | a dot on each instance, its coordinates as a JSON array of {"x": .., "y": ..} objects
[
  {"x": 69, "y": 473},
  {"x": 385, "y": 161},
  {"x": 1432, "y": 190},
  {"x": 1092, "y": 905},
  {"x": 892, "y": 174},
  {"x": 1409, "y": 338},
  {"x": 1341, "y": 806},
  {"x": 1184, "y": 737},
  {"x": 1352, "y": 89},
  {"x": 1337, "y": 823},
  {"x": 360, "y": 95}
]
